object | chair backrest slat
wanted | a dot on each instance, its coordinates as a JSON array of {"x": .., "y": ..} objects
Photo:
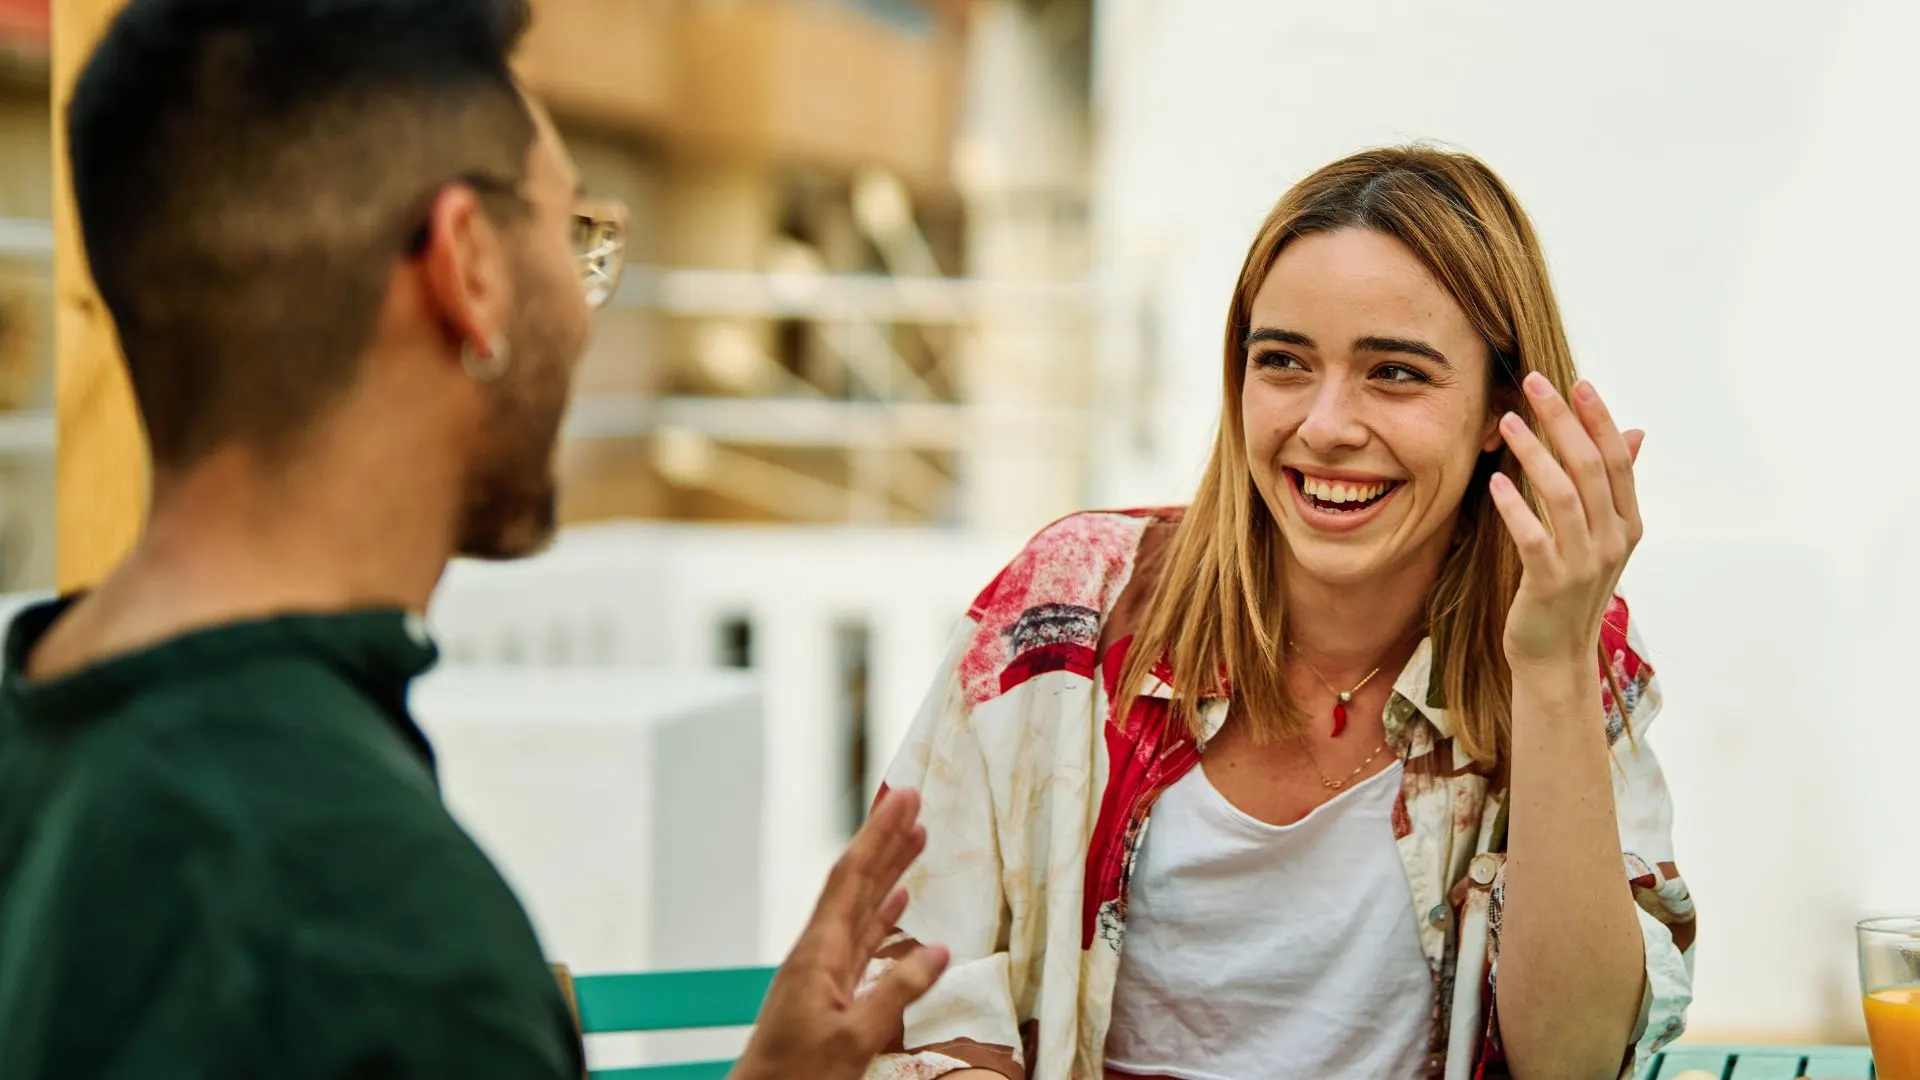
[
  {"x": 699, "y": 1070},
  {"x": 670, "y": 1000}
]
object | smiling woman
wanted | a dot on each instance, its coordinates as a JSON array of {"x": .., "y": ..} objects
[{"x": 1372, "y": 689}]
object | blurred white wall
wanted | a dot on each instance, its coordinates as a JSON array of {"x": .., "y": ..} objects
[
  {"x": 628, "y": 599},
  {"x": 1724, "y": 190}
]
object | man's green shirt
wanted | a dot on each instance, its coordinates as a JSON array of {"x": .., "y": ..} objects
[{"x": 226, "y": 856}]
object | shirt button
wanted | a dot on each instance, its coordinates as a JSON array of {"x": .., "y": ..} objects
[
  {"x": 1436, "y": 1065},
  {"x": 1439, "y": 916},
  {"x": 1483, "y": 869}
]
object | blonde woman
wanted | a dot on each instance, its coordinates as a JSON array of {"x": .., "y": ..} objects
[{"x": 1331, "y": 773}]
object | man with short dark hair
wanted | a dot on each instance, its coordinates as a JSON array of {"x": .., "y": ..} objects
[{"x": 352, "y": 273}]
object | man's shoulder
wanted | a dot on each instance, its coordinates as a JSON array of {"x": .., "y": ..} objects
[
  {"x": 216, "y": 777},
  {"x": 152, "y": 779},
  {"x": 289, "y": 828},
  {"x": 262, "y": 730}
]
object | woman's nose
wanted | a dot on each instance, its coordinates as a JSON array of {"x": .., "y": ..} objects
[{"x": 1333, "y": 420}]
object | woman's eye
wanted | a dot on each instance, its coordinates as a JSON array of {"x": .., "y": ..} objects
[
  {"x": 1278, "y": 361},
  {"x": 1398, "y": 373}
]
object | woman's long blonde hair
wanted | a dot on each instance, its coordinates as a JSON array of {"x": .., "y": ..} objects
[{"x": 1216, "y": 610}]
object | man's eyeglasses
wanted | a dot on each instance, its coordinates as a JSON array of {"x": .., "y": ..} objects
[
  {"x": 599, "y": 247},
  {"x": 599, "y": 236}
]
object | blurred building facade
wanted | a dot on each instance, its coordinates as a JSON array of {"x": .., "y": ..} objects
[
  {"x": 26, "y": 298},
  {"x": 859, "y": 276},
  {"x": 859, "y": 256}
]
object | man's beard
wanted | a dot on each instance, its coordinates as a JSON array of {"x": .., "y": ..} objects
[
  {"x": 511, "y": 506},
  {"x": 509, "y": 520}
]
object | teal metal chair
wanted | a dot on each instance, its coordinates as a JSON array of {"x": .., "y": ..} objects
[
  {"x": 657, "y": 1001},
  {"x": 1763, "y": 1062}
]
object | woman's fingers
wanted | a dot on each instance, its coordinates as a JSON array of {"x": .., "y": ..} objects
[
  {"x": 1615, "y": 452},
  {"x": 1535, "y": 543},
  {"x": 1566, "y": 515},
  {"x": 1579, "y": 454}
]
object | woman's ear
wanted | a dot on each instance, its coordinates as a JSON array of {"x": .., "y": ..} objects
[
  {"x": 1499, "y": 403},
  {"x": 1490, "y": 439}
]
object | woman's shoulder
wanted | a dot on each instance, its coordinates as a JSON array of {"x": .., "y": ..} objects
[
  {"x": 1075, "y": 560},
  {"x": 1045, "y": 611}
]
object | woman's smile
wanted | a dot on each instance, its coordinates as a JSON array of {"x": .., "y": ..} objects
[{"x": 1339, "y": 502}]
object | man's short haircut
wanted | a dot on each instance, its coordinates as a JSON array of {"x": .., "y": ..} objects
[{"x": 247, "y": 174}]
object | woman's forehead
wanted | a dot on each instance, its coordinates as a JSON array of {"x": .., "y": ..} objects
[{"x": 1356, "y": 274}]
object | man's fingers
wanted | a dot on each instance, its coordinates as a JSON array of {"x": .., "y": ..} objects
[
  {"x": 882, "y": 924},
  {"x": 879, "y": 1014},
  {"x": 1634, "y": 437},
  {"x": 873, "y": 862},
  {"x": 883, "y": 876},
  {"x": 875, "y": 933},
  {"x": 901, "y": 841}
]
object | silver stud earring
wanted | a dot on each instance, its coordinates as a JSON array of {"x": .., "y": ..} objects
[{"x": 488, "y": 366}]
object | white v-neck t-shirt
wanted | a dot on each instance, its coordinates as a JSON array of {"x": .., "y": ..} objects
[{"x": 1257, "y": 951}]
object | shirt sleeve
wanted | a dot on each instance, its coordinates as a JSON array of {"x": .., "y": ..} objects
[
  {"x": 956, "y": 897},
  {"x": 1644, "y": 806}
]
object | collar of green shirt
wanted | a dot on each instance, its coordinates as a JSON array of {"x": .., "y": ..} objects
[{"x": 380, "y": 650}]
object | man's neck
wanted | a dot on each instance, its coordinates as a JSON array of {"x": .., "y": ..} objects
[{"x": 230, "y": 540}]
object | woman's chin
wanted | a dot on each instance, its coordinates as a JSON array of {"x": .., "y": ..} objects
[
  {"x": 1361, "y": 558},
  {"x": 1347, "y": 565}
]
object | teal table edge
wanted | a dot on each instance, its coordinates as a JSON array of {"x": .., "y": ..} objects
[
  {"x": 1720, "y": 1062},
  {"x": 659, "y": 1001},
  {"x": 1726, "y": 1062}
]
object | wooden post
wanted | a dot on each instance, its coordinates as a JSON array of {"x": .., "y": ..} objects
[{"x": 101, "y": 468}]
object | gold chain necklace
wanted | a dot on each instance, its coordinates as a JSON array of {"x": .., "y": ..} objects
[
  {"x": 1341, "y": 697},
  {"x": 1336, "y": 785}
]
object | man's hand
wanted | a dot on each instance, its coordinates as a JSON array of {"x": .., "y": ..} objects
[{"x": 812, "y": 1026}]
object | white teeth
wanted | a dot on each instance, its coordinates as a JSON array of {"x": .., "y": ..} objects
[{"x": 1330, "y": 491}]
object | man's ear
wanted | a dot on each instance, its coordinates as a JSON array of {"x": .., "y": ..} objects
[{"x": 464, "y": 269}]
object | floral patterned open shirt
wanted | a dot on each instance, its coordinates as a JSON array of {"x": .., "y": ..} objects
[{"x": 1036, "y": 799}]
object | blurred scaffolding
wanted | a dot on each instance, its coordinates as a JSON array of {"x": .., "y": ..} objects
[{"x": 860, "y": 289}]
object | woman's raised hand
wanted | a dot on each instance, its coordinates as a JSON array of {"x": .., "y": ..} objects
[{"x": 1571, "y": 561}]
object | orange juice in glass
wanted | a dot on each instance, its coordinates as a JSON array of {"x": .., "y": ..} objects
[{"x": 1890, "y": 983}]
